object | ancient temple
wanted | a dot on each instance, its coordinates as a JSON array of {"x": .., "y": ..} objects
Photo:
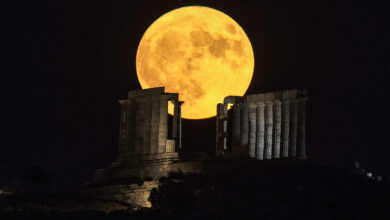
[
  {"x": 149, "y": 138},
  {"x": 263, "y": 126}
]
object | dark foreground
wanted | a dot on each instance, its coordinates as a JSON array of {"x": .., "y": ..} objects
[{"x": 271, "y": 191}]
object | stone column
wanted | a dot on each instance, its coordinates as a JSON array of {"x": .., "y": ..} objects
[
  {"x": 260, "y": 131},
  {"x": 218, "y": 137},
  {"x": 132, "y": 123},
  {"x": 268, "y": 129},
  {"x": 277, "y": 127},
  {"x": 155, "y": 126},
  {"x": 252, "y": 130},
  {"x": 302, "y": 128},
  {"x": 179, "y": 127},
  {"x": 244, "y": 130},
  {"x": 236, "y": 127},
  {"x": 220, "y": 130},
  {"x": 123, "y": 130},
  {"x": 286, "y": 127},
  {"x": 294, "y": 127},
  {"x": 139, "y": 126},
  {"x": 147, "y": 126},
  {"x": 163, "y": 124},
  {"x": 175, "y": 122}
]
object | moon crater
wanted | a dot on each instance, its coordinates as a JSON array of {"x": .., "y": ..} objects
[{"x": 199, "y": 52}]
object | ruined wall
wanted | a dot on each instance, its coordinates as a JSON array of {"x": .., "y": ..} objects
[{"x": 263, "y": 126}]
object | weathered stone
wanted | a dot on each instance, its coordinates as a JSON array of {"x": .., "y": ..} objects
[
  {"x": 221, "y": 129},
  {"x": 170, "y": 146},
  {"x": 163, "y": 125},
  {"x": 139, "y": 127},
  {"x": 144, "y": 150},
  {"x": 286, "y": 127},
  {"x": 244, "y": 149},
  {"x": 277, "y": 127},
  {"x": 236, "y": 126},
  {"x": 123, "y": 149},
  {"x": 268, "y": 129},
  {"x": 179, "y": 133},
  {"x": 302, "y": 128},
  {"x": 155, "y": 120},
  {"x": 252, "y": 130},
  {"x": 294, "y": 127},
  {"x": 260, "y": 122},
  {"x": 278, "y": 123},
  {"x": 147, "y": 127}
]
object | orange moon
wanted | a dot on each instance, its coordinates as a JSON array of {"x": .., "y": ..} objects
[{"x": 198, "y": 52}]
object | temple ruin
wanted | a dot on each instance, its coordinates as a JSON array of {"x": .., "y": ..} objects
[
  {"x": 262, "y": 126},
  {"x": 149, "y": 138}
]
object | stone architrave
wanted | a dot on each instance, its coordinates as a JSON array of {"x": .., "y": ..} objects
[
  {"x": 244, "y": 150},
  {"x": 236, "y": 133},
  {"x": 163, "y": 125},
  {"x": 268, "y": 129},
  {"x": 294, "y": 127},
  {"x": 147, "y": 126},
  {"x": 260, "y": 131},
  {"x": 252, "y": 130},
  {"x": 286, "y": 127},
  {"x": 277, "y": 127},
  {"x": 155, "y": 125},
  {"x": 302, "y": 128}
]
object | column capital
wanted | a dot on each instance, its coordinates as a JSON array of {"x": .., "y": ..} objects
[
  {"x": 260, "y": 104},
  {"x": 252, "y": 106},
  {"x": 123, "y": 101}
]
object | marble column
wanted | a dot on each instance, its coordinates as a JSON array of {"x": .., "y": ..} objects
[
  {"x": 147, "y": 127},
  {"x": 252, "y": 130},
  {"x": 302, "y": 128},
  {"x": 236, "y": 126},
  {"x": 286, "y": 127},
  {"x": 131, "y": 125},
  {"x": 163, "y": 124},
  {"x": 260, "y": 131},
  {"x": 277, "y": 127},
  {"x": 139, "y": 126},
  {"x": 244, "y": 149},
  {"x": 294, "y": 127},
  {"x": 154, "y": 126},
  {"x": 179, "y": 127},
  {"x": 218, "y": 136},
  {"x": 268, "y": 129},
  {"x": 221, "y": 129},
  {"x": 175, "y": 120},
  {"x": 123, "y": 130}
]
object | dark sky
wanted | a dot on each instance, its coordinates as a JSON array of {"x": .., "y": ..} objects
[{"x": 64, "y": 65}]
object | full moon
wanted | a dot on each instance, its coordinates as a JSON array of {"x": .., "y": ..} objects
[{"x": 198, "y": 52}]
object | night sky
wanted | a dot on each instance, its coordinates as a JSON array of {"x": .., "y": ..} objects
[{"x": 65, "y": 64}]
